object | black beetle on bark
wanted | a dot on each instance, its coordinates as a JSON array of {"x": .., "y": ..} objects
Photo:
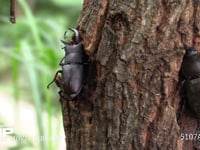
[
  {"x": 189, "y": 77},
  {"x": 71, "y": 78},
  {"x": 189, "y": 81}
]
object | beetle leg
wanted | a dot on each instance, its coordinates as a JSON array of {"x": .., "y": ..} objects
[
  {"x": 54, "y": 79},
  {"x": 58, "y": 81},
  {"x": 77, "y": 36},
  {"x": 65, "y": 96},
  {"x": 61, "y": 64}
]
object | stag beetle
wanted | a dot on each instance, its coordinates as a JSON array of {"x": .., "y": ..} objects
[
  {"x": 189, "y": 79},
  {"x": 73, "y": 68}
]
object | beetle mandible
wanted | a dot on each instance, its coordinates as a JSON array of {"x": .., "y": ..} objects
[{"x": 73, "y": 68}]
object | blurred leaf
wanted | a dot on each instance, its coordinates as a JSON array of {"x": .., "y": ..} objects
[
  {"x": 15, "y": 75},
  {"x": 68, "y": 2}
]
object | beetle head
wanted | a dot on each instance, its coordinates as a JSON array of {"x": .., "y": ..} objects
[
  {"x": 191, "y": 51},
  {"x": 76, "y": 35}
]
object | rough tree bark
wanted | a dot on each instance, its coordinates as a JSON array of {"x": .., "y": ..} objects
[{"x": 136, "y": 48}]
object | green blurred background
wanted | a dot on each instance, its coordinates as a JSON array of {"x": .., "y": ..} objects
[{"x": 30, "y": 53}]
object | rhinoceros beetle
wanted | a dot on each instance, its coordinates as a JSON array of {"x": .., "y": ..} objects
[
  {"x": 189, "y": 80},
  {"x": 71, "y": 78}
]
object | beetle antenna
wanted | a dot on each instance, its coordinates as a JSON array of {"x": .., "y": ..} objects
[
  {"x": 63, "y": 39},
  {"x": 77, "y": 36}
]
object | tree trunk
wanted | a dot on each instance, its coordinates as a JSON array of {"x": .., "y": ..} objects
[{"x": 136, "y": 48}]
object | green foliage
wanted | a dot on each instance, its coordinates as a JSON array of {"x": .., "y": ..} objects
[{"x": 31, "y": 51}]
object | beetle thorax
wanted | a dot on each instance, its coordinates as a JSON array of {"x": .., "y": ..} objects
[{"x": 73, "y": 53}]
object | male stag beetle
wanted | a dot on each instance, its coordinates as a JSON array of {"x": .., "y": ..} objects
[
  {"x": 73, "y": 68},
  {"x": 189, "y": 78}
]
